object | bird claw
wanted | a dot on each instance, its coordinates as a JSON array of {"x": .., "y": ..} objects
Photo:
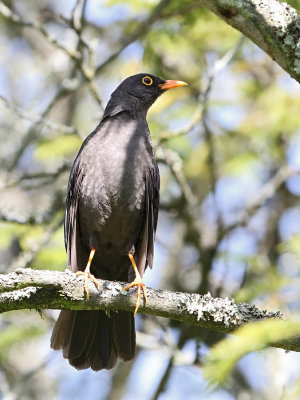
[
  {"x": 140, "y": 285},
  {"x": 86, "y": 276}
]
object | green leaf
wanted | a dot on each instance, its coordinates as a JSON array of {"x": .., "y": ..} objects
[
  {"x": 51, "y": 258},
  {"x": 53, "y": 255},
  {"x": 271, "y": 283},
  {"x": 223, "y": 357},
  {"x": 57, "y": 147},
  {"x": 292, "y": 391},
  {"x": 9, "y": 231},
  {"x": 16, "y": 333},
  {"x": 292, "y": 246},
  {"x": 241, "y": 163}
]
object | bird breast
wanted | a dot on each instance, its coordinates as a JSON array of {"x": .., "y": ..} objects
[{"x": 114, "y": 165}]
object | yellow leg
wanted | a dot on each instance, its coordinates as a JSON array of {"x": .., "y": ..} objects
[
  {"x": 87, "y": 274},
  {"x": 137, "y": 282}
]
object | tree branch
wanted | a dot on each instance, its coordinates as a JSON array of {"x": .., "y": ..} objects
[
  {"x": 40, "y": 289},
  {"x": 272, "y": 25}
]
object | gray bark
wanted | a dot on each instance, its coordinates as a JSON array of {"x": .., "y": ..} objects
[
  {"x": 41, "y": 289},
  {"x": 272, "y": 25}
]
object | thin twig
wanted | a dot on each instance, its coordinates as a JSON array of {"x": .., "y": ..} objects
[
  {"x": 27, "y": 257},
  {"x": 38, "y": 119},
  {"x": 266, "y": 192},
  {"x": 138, "y": 34},
  {"x": 7, "y": 13},
  {"x": 43, "y": 177},
  {"x": 32, "y": 133}
]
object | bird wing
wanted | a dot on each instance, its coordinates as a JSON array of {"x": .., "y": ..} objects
[
  {"x": 153, "y": 184},
  {"x": 146, "y": 246},
  {"x": 71, "y": 226}
]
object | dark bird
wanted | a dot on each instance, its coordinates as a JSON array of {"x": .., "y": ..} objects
[{"x": 110, "y": 221}]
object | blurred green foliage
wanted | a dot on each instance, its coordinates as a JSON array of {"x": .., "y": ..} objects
[
  {"x": 15, "y": 334},
  {"x": 219, "y": 142},
  {"x": 252, "y": 337},
  {"x": 54, "y": 149}
]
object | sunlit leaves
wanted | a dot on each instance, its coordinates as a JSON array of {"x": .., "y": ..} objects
[
  {"x": 292, "y": 245},
  {"x": 53, "y": 254},
  {"x": 257, "y": 287},
  {"x": 16, "y": 334},
  {"x": 223, "y": 357},
  {"x": 59, "y": 147}
]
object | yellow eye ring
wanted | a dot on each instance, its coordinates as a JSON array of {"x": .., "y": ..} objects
[{"x": 147, "y": 80}]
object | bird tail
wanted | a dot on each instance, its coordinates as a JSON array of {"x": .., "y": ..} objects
[{"x": 92, "y": 339}]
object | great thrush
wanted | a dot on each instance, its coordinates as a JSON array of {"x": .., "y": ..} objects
[{"x": 110, "y": 221}]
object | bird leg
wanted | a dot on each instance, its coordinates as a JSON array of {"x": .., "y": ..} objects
[
  {"x": 137, "y": 282},
  {"x": 87, "y": 274}
]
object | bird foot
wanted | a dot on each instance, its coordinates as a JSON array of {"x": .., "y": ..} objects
[
  {"x": 86, "y": 276},
  {"x": 140, "y": 287}
]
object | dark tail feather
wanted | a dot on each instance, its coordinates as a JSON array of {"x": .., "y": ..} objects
[
  {"x": 92, "y": 339},
  {"x": 124, "y": 334}
]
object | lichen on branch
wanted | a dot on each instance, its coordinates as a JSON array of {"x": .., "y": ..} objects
[
  {"x": 41, "y": 289},
  {"x": 273, "y": 25}
]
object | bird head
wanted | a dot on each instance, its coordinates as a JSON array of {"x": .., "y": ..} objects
[{"x": 138, "y": 92}]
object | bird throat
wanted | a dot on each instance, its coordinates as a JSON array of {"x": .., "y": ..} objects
[{"x": 135, "y": 107}]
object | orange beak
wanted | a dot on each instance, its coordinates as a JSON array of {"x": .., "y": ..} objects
[{"x": 171, "y": 84}]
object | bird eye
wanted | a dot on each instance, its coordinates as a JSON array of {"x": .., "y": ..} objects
[{"x": 147, "y": 80}]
